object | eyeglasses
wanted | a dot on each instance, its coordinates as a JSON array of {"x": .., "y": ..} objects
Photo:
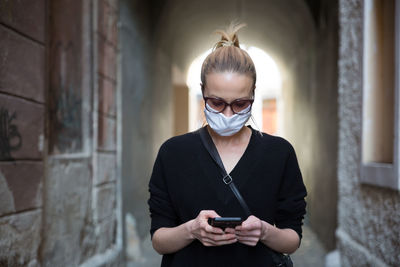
[{"x": 218, "y": 105}]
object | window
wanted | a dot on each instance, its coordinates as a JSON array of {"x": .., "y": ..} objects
[{"x": 380, "y": 121}]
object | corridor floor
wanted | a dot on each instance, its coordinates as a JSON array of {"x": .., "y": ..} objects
[{"x": 310, "y": 253}]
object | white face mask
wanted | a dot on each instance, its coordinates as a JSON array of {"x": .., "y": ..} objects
[{"x": 226, "y": 126}]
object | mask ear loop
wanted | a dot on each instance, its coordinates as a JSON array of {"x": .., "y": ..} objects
[
  {"x": 204, "y": 118},
  {"x": 252, "y": 118},
  {"x": 255, "y": 124}
]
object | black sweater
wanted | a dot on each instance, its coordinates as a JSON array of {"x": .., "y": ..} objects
[{"x": 185, "y": 180}]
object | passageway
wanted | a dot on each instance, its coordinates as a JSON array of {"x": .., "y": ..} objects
[
  {"x": 89, "y": 90},
  {"x": 159, "y": 41}
]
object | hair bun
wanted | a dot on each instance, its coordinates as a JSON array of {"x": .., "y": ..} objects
[
  {"x": 227, "y": 56},
  {"x": 229, "y": 37}
]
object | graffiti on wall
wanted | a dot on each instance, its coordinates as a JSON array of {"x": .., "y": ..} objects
[
  {"x": 65, "y": 101},
  {"x": 10, "y": 138},
  {"x": 68, "y": 89}
]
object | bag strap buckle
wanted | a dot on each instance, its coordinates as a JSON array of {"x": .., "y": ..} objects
[{"x": 227, "y": 179}]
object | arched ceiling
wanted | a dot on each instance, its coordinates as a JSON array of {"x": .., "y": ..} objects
[{"x": 185, "y": 28}]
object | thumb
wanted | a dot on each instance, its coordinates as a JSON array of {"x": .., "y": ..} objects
[{"x": 209, "y": 214}]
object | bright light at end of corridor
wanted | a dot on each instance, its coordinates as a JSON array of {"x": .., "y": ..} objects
[
  {"x": 268, "y": 77},
  {"x": 193, "y": 78}
]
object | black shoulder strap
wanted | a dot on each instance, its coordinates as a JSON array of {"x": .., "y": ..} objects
[
  {"x": 227, "y": 179},
  {"x": 278, "y": 258}
]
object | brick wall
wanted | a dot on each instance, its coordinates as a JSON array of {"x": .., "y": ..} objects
[
  {"x": 105, "y": 184},
  {"x": 22, "y": 109},
  {"x": 59, "y": 196}
]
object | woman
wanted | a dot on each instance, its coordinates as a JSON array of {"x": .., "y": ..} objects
[{"x": 186, "y": 186}]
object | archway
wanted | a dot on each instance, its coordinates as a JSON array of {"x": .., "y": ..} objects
[{"x": 302, "y": 37}]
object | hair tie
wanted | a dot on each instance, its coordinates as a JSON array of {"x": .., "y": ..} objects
[{"x": 228, "y": 43}]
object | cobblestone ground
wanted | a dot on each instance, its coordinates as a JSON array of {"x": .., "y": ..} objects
[
  {"x": 310, "y": 253},
  {"x": 149, "y": 258}
]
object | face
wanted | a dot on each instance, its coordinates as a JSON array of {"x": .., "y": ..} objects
[{"x": 228, "y": 86}]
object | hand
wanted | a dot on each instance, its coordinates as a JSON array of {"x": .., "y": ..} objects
[
  {"x": 208, "y": 235},
  {"x": 251, "y": 231}
]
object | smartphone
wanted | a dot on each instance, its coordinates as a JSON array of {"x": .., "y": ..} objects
[{"x": 225, "y": 222}]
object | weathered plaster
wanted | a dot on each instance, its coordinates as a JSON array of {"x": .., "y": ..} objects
[
  {"x": 67, "y": 201},
  {"x": 20, "y": 238},
  {"x": 368, "y": 215},
  {"x": 6, "y": 197}
]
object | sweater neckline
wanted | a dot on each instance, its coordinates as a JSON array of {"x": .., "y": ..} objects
[
  {"x": 240, "y": 173},
  {"x": 245, "y": 153}
]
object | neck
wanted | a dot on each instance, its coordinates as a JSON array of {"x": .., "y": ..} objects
[{"x": 238, "y": 137}]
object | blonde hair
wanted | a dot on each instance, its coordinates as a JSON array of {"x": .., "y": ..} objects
[{"x": 227, "y": 56}]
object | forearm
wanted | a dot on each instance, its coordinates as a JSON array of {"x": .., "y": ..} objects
[
  {"x": 169, "y": 240},
  {"x": 281, "y": 240}
]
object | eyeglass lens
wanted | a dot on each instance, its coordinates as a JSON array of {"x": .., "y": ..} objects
[{"x": 237, "y": 106}]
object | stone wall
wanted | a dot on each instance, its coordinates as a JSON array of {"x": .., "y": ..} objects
[
  {"x": 310, "y": 107},
  {"x": 369, "y": 220},
  {"x": 59, "y": 188},
  {"x": 322, "y": 203},
  {"x": 22, "y": 120},
  {"x": 146, "y": 103}
]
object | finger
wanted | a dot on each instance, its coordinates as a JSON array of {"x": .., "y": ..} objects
[
  {"x": 252, "y": 226},
  {"x": 247, "y": 239},
  {"x": 217, "y": 238},
  {"x": 226, "y": 242},
  {"x": 252, "y": 218},
  {"x": 208, "y": 214},
  {"x": 230, "y": 231},
  {"x": 254, "y": 233},
  {"x": 215, "y": 230},
  {"x": 208, "y": 241},
  {"x": 252, "y": 244},
  {"x": 241, "y": 233},
  {"x": 249, "y": 219},
  {"x": 244, "y": 227}
]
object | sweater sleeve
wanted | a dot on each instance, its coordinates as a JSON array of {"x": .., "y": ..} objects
[
  {"x": 161, "y": 209},
  {"x": 291, "y": 206}
]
